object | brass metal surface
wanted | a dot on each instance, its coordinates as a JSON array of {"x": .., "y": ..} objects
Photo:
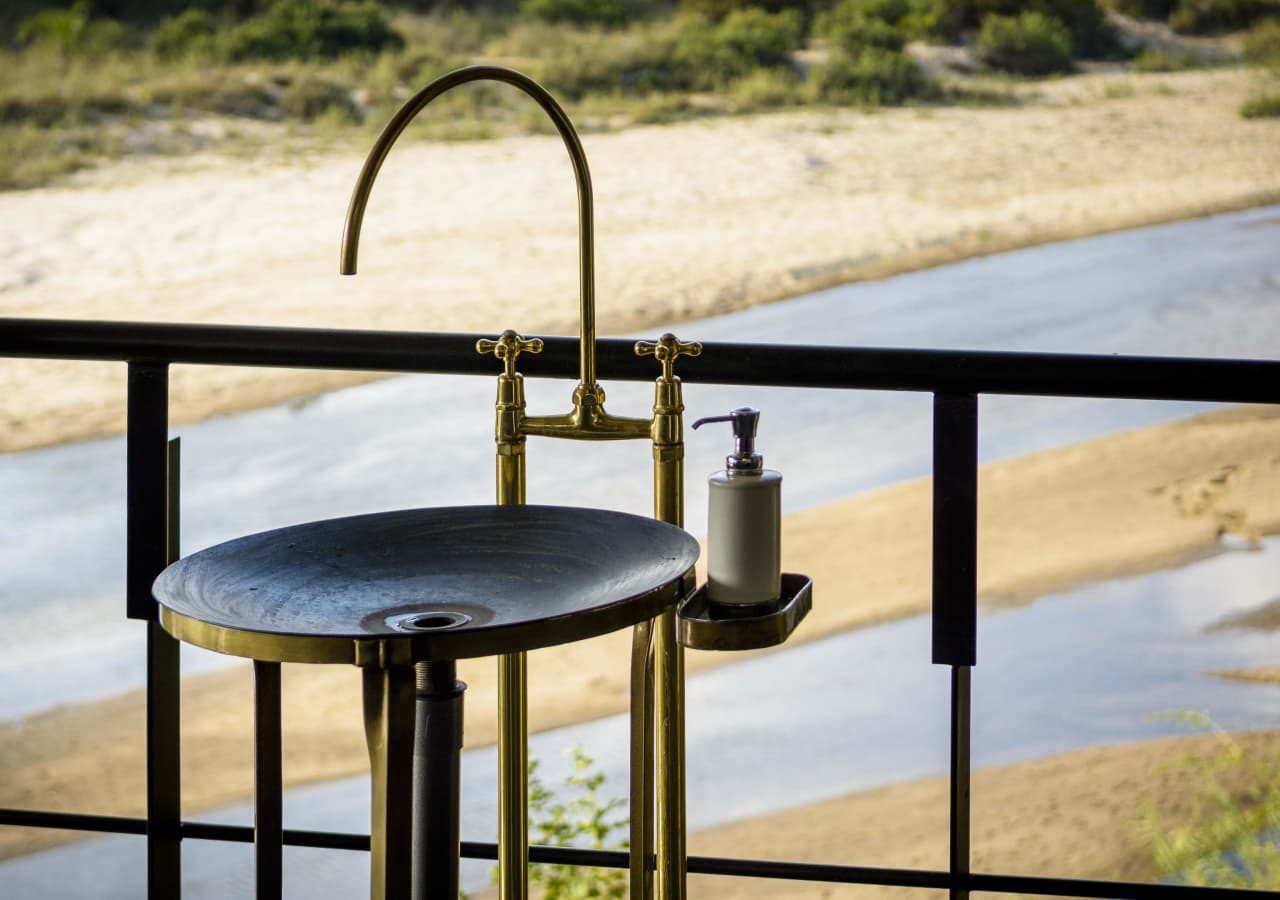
[
  {"x": 388, "y": 728},
  {"x": 703, "y": 627},
  {"x": 577, "y": 157},
  {"x": 658, "y": 713}
]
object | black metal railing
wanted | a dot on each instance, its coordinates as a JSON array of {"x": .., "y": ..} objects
[{"x": 954, "y": 378}]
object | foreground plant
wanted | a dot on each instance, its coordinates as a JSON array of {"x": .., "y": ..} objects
[
  {"x": 1231, "y": 838},
  {"x": 585, "y": 819}
]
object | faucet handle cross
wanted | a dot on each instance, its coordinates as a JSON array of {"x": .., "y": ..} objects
[
  {"x": 507, "y": 347},
  {"x": 666, "y": 350}
]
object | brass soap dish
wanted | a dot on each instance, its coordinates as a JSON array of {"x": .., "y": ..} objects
[{"x": 701, "y": 626}]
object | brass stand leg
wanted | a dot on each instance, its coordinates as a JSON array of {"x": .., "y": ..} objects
[
  {"x": 388, "y": 729},
  {"x": 642, "y": 762},
  {"x": 513, "y": 779},
  {"x": 669, "y": 675}
]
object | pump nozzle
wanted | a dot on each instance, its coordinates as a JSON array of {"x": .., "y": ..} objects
[{"x": 744, "y": 460}]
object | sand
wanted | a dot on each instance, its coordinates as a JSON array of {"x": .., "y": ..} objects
[
  {"x": 692, "y": 219},
  {"x": 1117, "y": 505}
]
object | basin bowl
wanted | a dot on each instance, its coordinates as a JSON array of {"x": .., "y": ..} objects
[{"x": 426, "y": 584}]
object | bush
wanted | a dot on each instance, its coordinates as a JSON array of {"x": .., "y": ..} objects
[
  {"x": 300, "y": 29},
  {"x": 711, "y": 55},
  {"x": 637, "y": 63},
  {"x": 71, "y": 32},
  {"x": 874, "y": 77},
  {"x": 609, "y": 13},
  {"x": 1213, "y": 16},
  {"x": 1031, "y": 44},
  {"x": 308, "y": 99},
  {"x": 1145, "y": 9},
  {"x": 585, "y": 819},
  {"x": 717, "y": 10},
  {"x": 1261, "y": 106},
  {"x": 857, "y": 24},
  {"x": 1149, "y": 60},
  {"x": 1262, "y": 43},
  {"x": 1092, "y": 37},
  {"x": 190, "y": 33}
]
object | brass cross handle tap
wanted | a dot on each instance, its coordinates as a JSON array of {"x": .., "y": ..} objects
[
  {"x": 507, "y": 347},
  {"x": 666, "y": 350}
]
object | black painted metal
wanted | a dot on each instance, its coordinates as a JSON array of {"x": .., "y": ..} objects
[
  {"x": 437, "y": 758},
  {"x": 958, "y": 788},
  {"x": 954, "y": 376},
  {"x": 449, "y": 582},
  {"x": 152, "y": 488},
  {"x": 698, "y": 865},
  {"x": 268, "y": 783},
  {"x": 870, "y": 368},
  {"x": 146, "y": 501},
  {"x": 955, "y": 529}
]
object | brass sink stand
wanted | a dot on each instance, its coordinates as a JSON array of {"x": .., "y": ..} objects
[{"x": 657, "y": 853}]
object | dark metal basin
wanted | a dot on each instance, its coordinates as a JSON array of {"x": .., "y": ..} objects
[{"x": 437, "y": 583}]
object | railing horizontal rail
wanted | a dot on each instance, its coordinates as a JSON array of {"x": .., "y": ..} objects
[
  {"x": 776, "y": 365},
  {"x": 698, "y": 865}
]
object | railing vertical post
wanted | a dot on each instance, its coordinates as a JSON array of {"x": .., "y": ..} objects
[
  {"x": 268, "y": 797},
  {"x": 151, "y": 535},
  {"x": 955, "y": 596}
]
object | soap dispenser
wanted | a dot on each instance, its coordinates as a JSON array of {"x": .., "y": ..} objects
[{"x": 744, "y": 524}]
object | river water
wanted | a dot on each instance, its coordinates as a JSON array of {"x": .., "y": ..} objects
[{"x": 1208, "y": 287}]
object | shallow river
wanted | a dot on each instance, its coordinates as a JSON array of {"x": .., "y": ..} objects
[{"x": 1208, "y": 287}]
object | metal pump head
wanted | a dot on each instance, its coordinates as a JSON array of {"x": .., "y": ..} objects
[{"x": 744, "y": 460}]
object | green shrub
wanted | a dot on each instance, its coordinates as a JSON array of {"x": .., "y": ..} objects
[
  {"x": 716, "y": 10},
  {"x": 585, "y": 819},
  {"x": 709, "y": 55},
  {"x": 1231, "y": 838},
  {"x": 1262, "y": 43},
  {"x": 765, "y": 89},
  {"x": 71, "y": 32},
  {"x": 1031, "y": 44},
  {"x": 635, "y": 63},
  {"x": 188, "y": 34},
  {"x": 874, "y": 77},
  {"x": 1265, "y": 105},
  {"x": 1092, "y": 37},
  {"x": 302, "y": 29},
  {"x": 1149, "y": 60},
  {"x": 1213, "y": 16},
  {"x": 857, "y": 24},
  {"x": 609, "y": 13},
  {"x": 1145, "y": 9},
  {"x": 309, "y": 98}
]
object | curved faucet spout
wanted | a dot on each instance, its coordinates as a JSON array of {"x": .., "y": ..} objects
[{"x": 586, "y": 240}]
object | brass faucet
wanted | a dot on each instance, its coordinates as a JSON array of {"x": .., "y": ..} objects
[{"x": 657, "y": 668}]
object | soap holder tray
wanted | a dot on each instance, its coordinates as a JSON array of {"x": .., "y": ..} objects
[{"x": 701, "y": 626}]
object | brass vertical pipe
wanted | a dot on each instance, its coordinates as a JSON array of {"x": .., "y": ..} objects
[
  {"x": 577, "y": 158},
  {"x": 388, "y": 725},
  {"x": 668, "y": 506},
  {"x": 513, "y": 741},
  {"x": 642, "y": 738}
]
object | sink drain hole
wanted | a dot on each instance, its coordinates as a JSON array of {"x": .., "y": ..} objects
[{"x": 429, "y": 621}]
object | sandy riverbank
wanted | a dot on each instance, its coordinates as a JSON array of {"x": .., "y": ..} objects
[
  {"x": 1118, "y": 505},
  {"x": 692, "y": 219}
]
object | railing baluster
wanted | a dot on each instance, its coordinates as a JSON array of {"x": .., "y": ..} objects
[
  {"x": 151, "y": 530},
  {"x": 955, "y": 596}
]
